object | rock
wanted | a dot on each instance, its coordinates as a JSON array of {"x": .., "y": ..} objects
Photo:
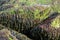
[
  {"x": 2, "y": 27},
  {"x": 15, "y": 22},
  {"x": 44, "y": 31},
  {"x": 19, "y": 36},
  {"x": 6, "y": 35}
]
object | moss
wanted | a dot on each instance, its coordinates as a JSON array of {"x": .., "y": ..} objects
[
  {"x": 56, "y": 22},
  {"x": 10, "y": 39}
]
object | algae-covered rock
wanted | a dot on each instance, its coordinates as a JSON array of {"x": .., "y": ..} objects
[
  {"x": 44, "y": 31},
  {"x": 19, "y": 36},
  {"x": 2, "y": 27},
  {"x": 6, "y": 35},
  {"x": 15, "y": 22},
  {"x": 17, "y": 17}
]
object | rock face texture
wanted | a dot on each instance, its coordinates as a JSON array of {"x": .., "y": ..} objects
[
  {"x": 44, "y": 31},
  {"x": 19, "y": 36},
  {"x": 18, "y": 21},
  {"x": 6, "y": 34}
]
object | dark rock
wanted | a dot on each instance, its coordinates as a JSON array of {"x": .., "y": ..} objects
[
  {"x": 16, "y": 22},
  {"x": 6, "y": 34},
  {"x": 19, "y": 36},
  {"x": 44, "y": 31}
]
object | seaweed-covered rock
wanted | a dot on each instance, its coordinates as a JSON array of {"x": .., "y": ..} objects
[
  {"x": 39, "y": 34},
  {"x": 44, "y": 31},
  {"x": 6, "y": 35},
  {"x": 17, "y": 17},
  {"x": 3, "y": 1},
  {"x": 2, "y": 27},
  {"x": 2, "y": 8},
  {"x": 16, "y": 22},
  {"x": 19, "y": 36}
]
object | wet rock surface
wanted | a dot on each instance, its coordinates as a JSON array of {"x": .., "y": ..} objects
[
  {"x": 6, "y": 34},
  {"x": 17, "y": 22},
  {"x": 42, "y": 31}
]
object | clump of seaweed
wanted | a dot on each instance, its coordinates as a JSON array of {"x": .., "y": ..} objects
[{"x": 44, "y": 31}]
